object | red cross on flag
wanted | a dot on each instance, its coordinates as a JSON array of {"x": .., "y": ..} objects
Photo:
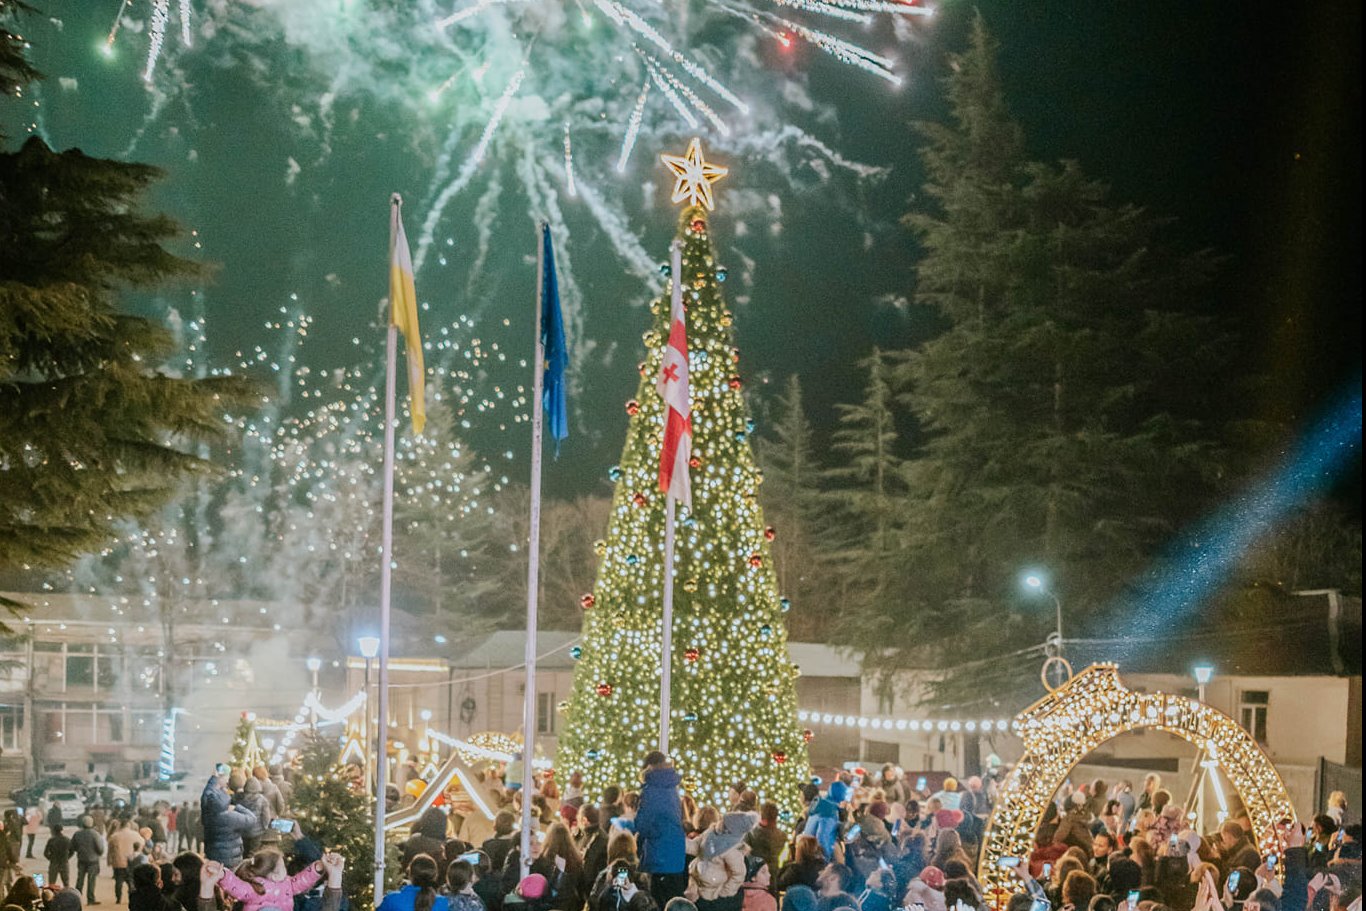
[{"x": 673, "y": 388}]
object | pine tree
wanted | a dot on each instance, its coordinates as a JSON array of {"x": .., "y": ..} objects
[
  {"x": 332, "y": 808},
  {"x": 91, "y": 430},
  {"x": 794, "y": 499},
  {"x": 733, "y": 705},
  {"x": 1068, "y": 409}
]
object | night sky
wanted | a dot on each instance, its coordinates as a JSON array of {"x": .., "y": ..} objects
[{"x": 1242, "y": 121}]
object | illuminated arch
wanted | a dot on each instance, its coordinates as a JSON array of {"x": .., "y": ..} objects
[{"x": 1090, "y": 709}]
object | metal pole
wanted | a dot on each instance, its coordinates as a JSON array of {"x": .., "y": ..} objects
[
  {"x": 386, "y": 574},
  {"x": 1057, "y": 602},
  {"x": 533, "y": 569},
  {"x": 365, "y": 725},
  {"x": 667, "y": 639}
]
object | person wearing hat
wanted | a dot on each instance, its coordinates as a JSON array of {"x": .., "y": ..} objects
[
  {"x": 224, "y": 824},
  {"x": 718, "y": 872},
  {"x": 660, "y": 837},
  {"x": 88, "y": 846},
  {"x": 949, "y": 796}
]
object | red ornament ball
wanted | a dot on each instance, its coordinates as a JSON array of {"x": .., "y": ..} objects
[
  {"x": 692, "y": 654},
  {"x": 694, "y": 462},
  {"x": 734, "y": 382},
  {"x": 587, "y": 601},
  {"x": 603, "y": 689},
  {"x": 779, "y": 757},
  {"x": 756, "y": 560},
  {"x": 770, "y": 533},
  {"x": 698, "y": 225},
  {"x": 632, "y": 407},
  {"x": 639, "y": 499},
  {"x": 640, "y": 368},
  {"x": 808, "y": 735}
]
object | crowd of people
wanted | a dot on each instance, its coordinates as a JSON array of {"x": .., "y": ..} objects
[{"x": 862, "y": 843}]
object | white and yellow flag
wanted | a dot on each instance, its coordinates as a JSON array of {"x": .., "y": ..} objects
[{"x": 403, "y": 311}]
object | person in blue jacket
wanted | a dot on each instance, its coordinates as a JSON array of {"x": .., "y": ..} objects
[
  {"x": 224, "y": 824},
  {"x": 823, "y": 821},
  {"x": 659, "y": 829}
]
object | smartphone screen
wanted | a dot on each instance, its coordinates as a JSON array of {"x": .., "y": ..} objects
[
  {"x": 1040, "y": 904},
  {"x": 1175, "y": 840},
  {"x": 470, "y": 858},
  {"x": 39, "y": 880},
  {"x": 1233, "y": 881},
  {"x": 1047, "y": 870},
  {"x": 622, "y": 875},
  {"x": 1271, "y": 862},
  {"x": 920, "y": 783},
  {"x": 1009, "y": 863},
  {"x": 1133, "y": 899},
  {"x": 221, "y": 768},
  {"x": 852, "y": 833},
  {"x": 284, "y": 826}
]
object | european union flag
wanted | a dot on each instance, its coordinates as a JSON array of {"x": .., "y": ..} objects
[{"x": 552, "y": 338}]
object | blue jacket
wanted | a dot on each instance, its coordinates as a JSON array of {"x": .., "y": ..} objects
[
  {"x": 823, "y": 822},
  {"x": 659, "y": 823},
  {"x": 403, "y": 900},
  {"x": 224, "y": 825}
]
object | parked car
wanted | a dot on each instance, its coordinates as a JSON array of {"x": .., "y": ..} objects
[
  {"x": 32, "y": 793},
  {"x": 177, "y": 789},
  {"x": 68, "y": 800},
  {"x": 107, "y": 794}
]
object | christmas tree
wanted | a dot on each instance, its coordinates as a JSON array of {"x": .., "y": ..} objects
[
  {"x": 733, "y": 714},
  {"x": 333, "y": 810},
  {"x": 246, "y": 753}
]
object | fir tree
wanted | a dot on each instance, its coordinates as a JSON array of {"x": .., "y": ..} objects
[
  {"x": 1068, "y": 408},
  {"x": 332, "y": 808},
  {"x": 91, "y": 430},
  {"x": 794, "y": 500},
  {"x": 733, "y": 700},
  {"x": 246, "y": 752}
]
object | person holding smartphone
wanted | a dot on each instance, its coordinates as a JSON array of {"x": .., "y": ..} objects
[{"x": 621, "y": 888}]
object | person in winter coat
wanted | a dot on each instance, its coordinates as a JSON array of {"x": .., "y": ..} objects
[
  {"x": 766, "y": 841},
  {"x": 808, "y": 860},
  {"x": 592, "y": 843},
  {"x": 879, "y": 894},
  {"x": 254, "y": 799},
  {"x": 500, "y": 845},
  {"x": 893, "y": 786},
  {"x": 756, "y": 894},
  {"x": 123, "y": 845},
  {"x": 1235, "y": 850},
  {"x": 274, "y": 797},
  {"x": 262, "y": 883},
  {"x": 927, "y": 889},
  {"x": 144, "y": 892},
  {"x": 659, "y": 829},
  {"x": 621, "y": 888},
  {"x": 1075, "y": 827},
  {"x": 823, "y": 820},
  {"x": 223, "y": 823},
  {"x": 717, "y": 874},
  {"x": 88, "y": 846},
  {"x": 58, "y": 854},
  {"x": 428, "y": 837}
]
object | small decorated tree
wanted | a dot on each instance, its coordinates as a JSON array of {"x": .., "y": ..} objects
[
  {"x": 247, "y": 752},
  {"x": 333, "y": 809}
]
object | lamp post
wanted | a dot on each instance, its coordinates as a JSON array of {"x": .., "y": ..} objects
[
  {"x": 369, "y": 648},
  {"x": 1203, "y": 673},
  {"x": 314, "y": 664},
  {"x": 1035, "y": 582}
]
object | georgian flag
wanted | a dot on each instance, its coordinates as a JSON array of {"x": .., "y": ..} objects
[{"x": 672, "y": 384}]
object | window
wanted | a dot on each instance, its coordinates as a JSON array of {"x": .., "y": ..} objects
[
  {"x": 1252, "y": 706},
  {"x": 110, "y": 728},
  {"x": 545, "y": 713},
  {"x": 80, "y": 668},
  {"x": 11, "y": 720}
]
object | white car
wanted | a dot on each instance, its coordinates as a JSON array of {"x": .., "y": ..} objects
[
  {"x": 170, "y": 793},
  {"x": 71, "y": 804}
]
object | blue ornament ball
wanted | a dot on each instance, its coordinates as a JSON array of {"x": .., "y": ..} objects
[
  {"x": 721, "y": 274},
  {"x": 665, "y": 269},
  {"x": 576, "y": 652},
  {"x": 614, "y": 473},
  {"x": 632, "y": 559},
  {"x": 785, "y": 604},
  {"x": 749, "y": 425}
]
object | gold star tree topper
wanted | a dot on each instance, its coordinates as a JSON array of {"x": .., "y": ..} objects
[{"x": 693, "y": 176}]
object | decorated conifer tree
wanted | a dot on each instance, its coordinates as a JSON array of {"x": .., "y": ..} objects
[
  {"x": 333, "y": 810},
  {"x": 734, "y": 707},
  {"x": 246, "y": 752}
]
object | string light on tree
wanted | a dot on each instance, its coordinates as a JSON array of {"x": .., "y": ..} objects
[{"x": 728, "y": 629}]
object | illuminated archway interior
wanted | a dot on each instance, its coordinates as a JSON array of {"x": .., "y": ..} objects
[{"x": 1090, "y": 709}]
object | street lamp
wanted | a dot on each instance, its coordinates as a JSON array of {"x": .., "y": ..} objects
[
  {"x": 1035, "y": 582},
  {"x": 314, "y": 664},
  {"x": 1203, "y": 673},
  {"x": 369, "y": 648}
]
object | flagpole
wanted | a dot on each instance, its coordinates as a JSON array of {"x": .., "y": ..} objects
[
  {"x": 385, "y": 585},
  {"x": 667, "y": 638},
  {"x": 533, "y": 574}
]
